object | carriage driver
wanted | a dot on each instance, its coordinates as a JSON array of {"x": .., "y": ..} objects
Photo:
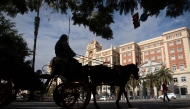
[{"x": 63, "y": 50}]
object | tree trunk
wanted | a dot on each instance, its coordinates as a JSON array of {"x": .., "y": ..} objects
[{"x": 36, "y": 26}]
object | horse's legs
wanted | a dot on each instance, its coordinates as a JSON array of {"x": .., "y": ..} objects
[
  {"x": 125, "y": 93},
  {"x": 118, "y": 98},
  {"x": 93, "y": 88}
]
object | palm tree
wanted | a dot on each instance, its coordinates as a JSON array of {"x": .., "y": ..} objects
[
  {"x": 164, "y": 75},
  {"x": 134, "y": 83},
  {"x": 151, "y": 82},
  {"x": 36, "y": 26}
]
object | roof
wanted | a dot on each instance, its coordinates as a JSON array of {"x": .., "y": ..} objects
[{"x": 94, "y": 42}]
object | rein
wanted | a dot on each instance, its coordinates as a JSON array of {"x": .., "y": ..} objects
[{"x": 107, "y": 83}]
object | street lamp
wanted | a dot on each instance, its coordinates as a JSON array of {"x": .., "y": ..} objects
[
  {"x": 143, "y": 87},
  {"x": 106, "y": 91},
  {"x": 144, "y": 93}
]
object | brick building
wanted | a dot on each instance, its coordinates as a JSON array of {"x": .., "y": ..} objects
[{"x": 171, "y": 48}]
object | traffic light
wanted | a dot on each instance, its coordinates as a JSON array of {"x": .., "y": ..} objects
[{"x": 136, "y": 22}]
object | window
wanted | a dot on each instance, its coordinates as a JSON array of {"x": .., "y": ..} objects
[
  {"x": 171, "y": 50},
  {"x": 129, "y": 53},
  {"x": 152, "y": 51},
  {"x": 146, "y": 59},
  {"x": 180, "y": 56},
  {"x": 158, "y": 44},
  {"x": 146, "y": 53},
  {"x": 156, "y": 69},
  {"x": 183, "y": 79},
  {"x": 159, "y": 57},
  {"x": 171, "y": 43},
  {"x": 149, "y": 70},
  {"x": 108, "y": 59},
  {"x": 145, "y": 47},
  {"x": 151, "y": 46},
  {"x": 177, "y": 35},
  {"x": 124, "y": 54},
  {"x": 173, "y": 68},
  {"x": 172, "y": 57},
  {"x": 123, "y": 49},
  {"x": 169, "y": 37},
  {"x": 178, "y": 41},
  {"x": 179, "y": 49},
  {"x": 175, "y": 80},
  {"x": 153, "y": 58},
  {"x": 158, "y": 50},
  {"x": 176, "y": 90},
  {"x": 129, "y": 60},
  {"x": 129, "y": 48},
  {"x": 181, "y": 67},
  {"x": 124, "y": 61},
  {"x": 104, "y": 60}
]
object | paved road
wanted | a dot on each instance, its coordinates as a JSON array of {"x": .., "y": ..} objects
[{"x": 137, "y": 104}]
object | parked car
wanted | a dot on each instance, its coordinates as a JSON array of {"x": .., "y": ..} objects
[
  {"x": 170, "y": 96},
  {"x": 103, "y": 98}
]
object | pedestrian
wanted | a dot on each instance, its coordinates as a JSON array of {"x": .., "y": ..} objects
[
  {"x": 108, "y": 98},
  {"x": 164, "y": 87}
]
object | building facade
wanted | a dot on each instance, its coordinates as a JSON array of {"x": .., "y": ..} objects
[
  {"x": 95, "y": 55},
  {"x": 171, "y": 48}
]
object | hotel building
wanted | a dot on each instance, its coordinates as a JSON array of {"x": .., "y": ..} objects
[{"x": 171, "y": 49}]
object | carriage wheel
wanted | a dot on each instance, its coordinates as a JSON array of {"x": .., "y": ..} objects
[
  {"x": 5, "y": 90},
  {"x": 57, "y": 95},
  {"x": 76, "y": 95},
  {"x": 12, "y": 95}
]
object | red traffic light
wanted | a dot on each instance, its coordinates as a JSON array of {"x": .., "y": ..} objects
[
  {"x": 134, "y": 17},
  {"x": 136, "y": 22}
]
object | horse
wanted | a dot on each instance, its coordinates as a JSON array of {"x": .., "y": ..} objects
[{"x": 116, "y": 76}]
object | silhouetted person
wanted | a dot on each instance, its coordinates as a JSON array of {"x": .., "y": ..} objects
[
  {"x": 62, "y": 47},
  {"x": 165, "y": 91},
  {"x": 64, "y": 51}
]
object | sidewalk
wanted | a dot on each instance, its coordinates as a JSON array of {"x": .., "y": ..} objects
[{"x": 51, "y": 100}]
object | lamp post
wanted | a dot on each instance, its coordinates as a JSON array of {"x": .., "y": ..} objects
[
  {"x": 106, "y": 91},
  {"x": 144, "y": 94},
  {"x": 144, "y": 90}
]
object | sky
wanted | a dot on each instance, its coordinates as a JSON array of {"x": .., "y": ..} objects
[{"x": 79, "y": 37}]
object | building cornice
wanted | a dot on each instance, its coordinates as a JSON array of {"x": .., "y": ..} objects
[
  {"x": 127, "y": 44},
  {"x": 150, "y": 40},
  {"x": 180, "y": 73},
  {"x": 174, "y": 30}
]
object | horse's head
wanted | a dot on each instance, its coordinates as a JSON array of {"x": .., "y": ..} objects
[{"x": 132, "y": 69}]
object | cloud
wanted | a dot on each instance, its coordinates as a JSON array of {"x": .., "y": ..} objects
[{"x": 80, "y": 37}]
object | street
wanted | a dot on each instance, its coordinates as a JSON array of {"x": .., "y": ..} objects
[{"x": 137, "y": 104}]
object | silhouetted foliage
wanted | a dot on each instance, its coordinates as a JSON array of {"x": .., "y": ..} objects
[
  {"x": 97, "y": 14},
  {"x": 10, "y": 38}
]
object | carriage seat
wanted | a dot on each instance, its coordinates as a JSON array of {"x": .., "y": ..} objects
[{"x": 57, "y": 66}]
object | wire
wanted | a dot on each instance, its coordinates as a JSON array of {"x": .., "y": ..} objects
[{"x": 95, "y": 60}]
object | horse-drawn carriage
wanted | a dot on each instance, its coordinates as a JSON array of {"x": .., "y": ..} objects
[{"x": 75, "y": 90}]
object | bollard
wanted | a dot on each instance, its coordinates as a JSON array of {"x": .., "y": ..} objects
[{"x": 146, "y": 97}]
